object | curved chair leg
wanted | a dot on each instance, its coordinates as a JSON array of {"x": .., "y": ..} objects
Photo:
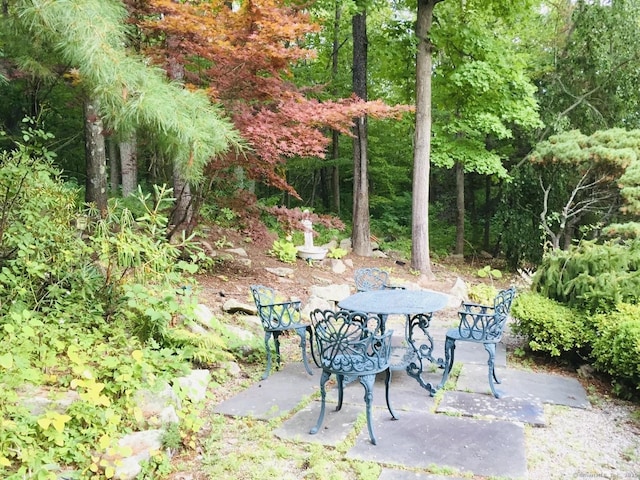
[
  {"x": 303, "y": 345},
  {"x": 323, "y": 394},
  {"x": 340, "y": 391},
  {"x": 387, "y": 382},
  {"x": 367, "y": 382},
  {"x": 449, "y": 354},
  {"x": 276, "y": 340},
  {"x": 491, "y": 349},
  {"x": 267, "y": 336}
]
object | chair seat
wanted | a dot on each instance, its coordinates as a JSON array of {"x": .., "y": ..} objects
[
  {"x": 466, "y": 336},
  {"x": 291, "y": 326},
  {"x": 352, "y": 364}
]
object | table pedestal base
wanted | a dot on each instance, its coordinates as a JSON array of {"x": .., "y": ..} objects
[{"x": 420, "y": 348}]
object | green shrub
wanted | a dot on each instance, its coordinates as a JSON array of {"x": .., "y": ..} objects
[
  {"x": 547, "y": 325},
  {"x": 93, "y": 310},
  {"x": 43, "y": 261},
  {"x": 592, "y": 276},
  {"x": 616, "y": 347},
  {"x": 337, "y": 253}
]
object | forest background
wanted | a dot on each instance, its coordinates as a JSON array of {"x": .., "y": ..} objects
[{"x": 281, "y": 77}]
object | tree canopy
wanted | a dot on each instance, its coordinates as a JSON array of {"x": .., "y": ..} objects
[
  {"x": 90, "y": 37},
  {"x": 580, "y": 176},
  {"x": 261, "y": 74},
  {"x": 243, "y": 58}
]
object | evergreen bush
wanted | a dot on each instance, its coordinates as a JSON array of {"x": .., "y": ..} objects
[{"x": 591, "y": 276}]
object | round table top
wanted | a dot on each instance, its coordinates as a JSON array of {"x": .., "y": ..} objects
[{"x": 396, "y": 301}]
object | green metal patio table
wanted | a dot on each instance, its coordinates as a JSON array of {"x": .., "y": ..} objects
[{"x": 418, "y": 307}]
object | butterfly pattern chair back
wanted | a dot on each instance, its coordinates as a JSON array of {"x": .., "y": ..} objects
[
  {"x": 278, "y": 316},
  {"x": 351, "y": 345},
  {"x": 371, "y": 278},
  {"x": 480, "y": 324}
]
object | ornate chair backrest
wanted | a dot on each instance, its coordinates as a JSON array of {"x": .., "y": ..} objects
[
  {"x": 274, "y": 313},
  {"x": 371, "y": 279},
  {"x": 483, "y": 323},
  {"x": 350, "y": 343}
]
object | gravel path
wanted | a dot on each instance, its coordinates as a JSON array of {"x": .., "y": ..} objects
[{"x": 597, "y": 443}]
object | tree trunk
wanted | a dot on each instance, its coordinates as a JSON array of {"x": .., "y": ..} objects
[
  {"x": 129, "y": 163},
  {"x": 361, "y": 233},
  {"x": 182, "y": 215},
  {"x": 335, "y": 172},
  {"x": 95, "y": 157},
  {"x": 488, "y": 213},
  {"x": 335, "y": 135},
  {"x": 420, "y": 259},
  {"x": 459, "y": 248},
  {"x": 114, "y": 164}
]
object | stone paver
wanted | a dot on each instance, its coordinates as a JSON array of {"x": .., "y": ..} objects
[
  {"x": 466, "y": 352},
  {"x": 421, "y": 440},
  {"x": 335, "y": 428},
  {"x": 274, "y": 397},
  {"x": 487, "y": 406},
  {"x": 544, "y": 387},
  {"x": 392, "y": 474},
  {"x": 404, "y": 392}
]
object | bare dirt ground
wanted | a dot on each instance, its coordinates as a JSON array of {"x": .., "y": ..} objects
[
  {"x": 233, "y": 278},
  {"x": 600, "y": 442}
]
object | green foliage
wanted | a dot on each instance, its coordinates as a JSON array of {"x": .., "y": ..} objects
[
  {"x": 391, "y": 218},
  {"x": 143, "y": 272},
  {"x": 392, "y": 223},
  {"x": 336, "y": 252},
  {"x": 518, "y": 217},
  {"x": 199, "y": 349},
  {"x": 572, "y": 285},
  {"x": 616, "y": 347},
  {"x": 622, "y": 231},
  {"x": 44, "y": 265},
  {"x": 600, "y": 37},
  {"x": 481, "y": 69},
  {"x": 574, "y": 179},
  {"x": 324, "y": 234},
  {"x": 223, "y": 216},
  {"x": 93, "y": 311},
  {"x": 592, "y": 276},
  {"x": 53, "y": 358},
  {"x": 488, "y": 272},
  {"x": 442, "y": 230},
  {"x": 284, "y": 250},
  {"x": 483, "y": 293},
  {"x": 549, "y": 326}
]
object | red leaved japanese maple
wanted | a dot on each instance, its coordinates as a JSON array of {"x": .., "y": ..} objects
[{"x": 242, "y": 53}]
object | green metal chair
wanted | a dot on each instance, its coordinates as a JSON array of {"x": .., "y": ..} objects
[
  {"x": 372, "y": 278},
  {"x": 480, "y": 324},
  {"x": 278, "y": 317},
  {"x": 351, "y": 345}
]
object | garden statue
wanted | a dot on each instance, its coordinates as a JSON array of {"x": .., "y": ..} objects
[{"x": 308, "y": 251}]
